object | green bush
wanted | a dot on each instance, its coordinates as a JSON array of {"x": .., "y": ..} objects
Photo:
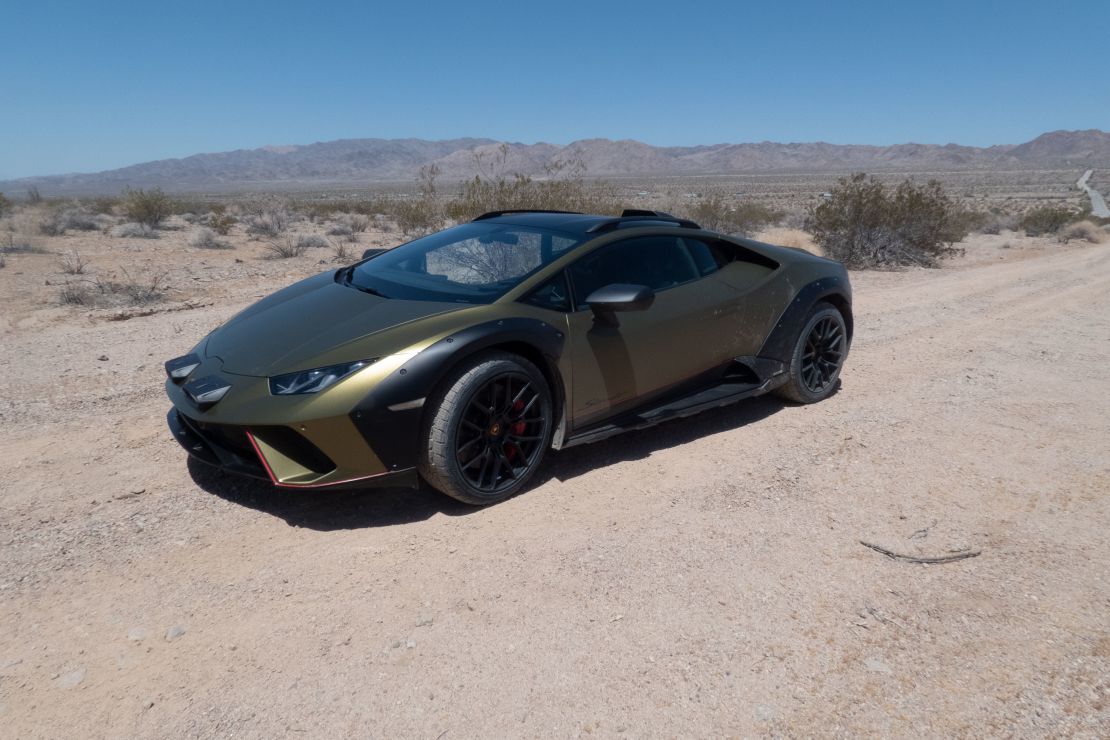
[
  {"x": 5, "y": 204},
  {"x": 1046, "y": 220},
  {"x": 864, "y": 224},
  {"x": 147, "y": 207}
]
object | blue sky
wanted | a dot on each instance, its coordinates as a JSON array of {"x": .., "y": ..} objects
[{"x": 96, "y": 85}]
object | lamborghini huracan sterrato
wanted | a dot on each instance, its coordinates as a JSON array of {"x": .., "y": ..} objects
[{"x": 461, "y": 357}]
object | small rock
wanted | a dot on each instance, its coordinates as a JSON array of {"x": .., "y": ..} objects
[
  {"x": 103, "y": 358},
  {"x": 136, "y": 634},
  {"x": 764, "y": 713},
  {"x": 70, "y": 679},
  {"x": 424, "y": 622},
  {"x": 410, "y": 644},
  {"x": 174, "y": 632},
  {"x": 148, "y": 704}
]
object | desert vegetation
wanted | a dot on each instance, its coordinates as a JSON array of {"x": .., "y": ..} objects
[{"x": 866, "y": 224}]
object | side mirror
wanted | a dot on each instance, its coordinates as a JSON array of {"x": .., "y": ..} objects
[
  {"x": 605, "y": 302},
  {"x": 373, "y": 252}
]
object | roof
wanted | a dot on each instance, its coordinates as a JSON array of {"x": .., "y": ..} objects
[{"x": 582, "y": 223}]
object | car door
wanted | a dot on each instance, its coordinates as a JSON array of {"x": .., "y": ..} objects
[{"x": 615, "y": 369}]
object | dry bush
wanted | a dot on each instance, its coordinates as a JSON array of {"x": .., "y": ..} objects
[
  {"x": 133, "y": 231},
  {"x": 147, "y": 207},
  {"x": 357, "y": 222},
  {"x": 5, "y": 205},
  {"x": 77, "y": 219},
  {"x": 993, "y": 222},
  {"x": 21, "y": 244},
  {"x": 268, "y": 223},
  {"x": 128, "y": 291},
  {"x": 716, "y": 213},
  {"x": 221, "y": 221},
  {"x": 341, "y": 253},
  {"x": 52, "y": 224},
  {"x": 3, "y": 260},
  {"x": 33, "y": 194},
  {"x": 343, "y": 230},
  {"x": 1046, "y": 220},
  {"x": 564, "y": 190},
  {"x": 75, "y": 294},
  {"x": 105, "y": 204},
  {"x": 1083, "y": 231},
  {"x": 865, "y": 225},
  {"x": 72, "y": 263},
  {"x": 292, "y": 246},
  {"x": 205, "y": 238}
]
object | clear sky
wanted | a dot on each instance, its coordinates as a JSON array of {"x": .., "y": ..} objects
[{"x": 94, "y": 85}]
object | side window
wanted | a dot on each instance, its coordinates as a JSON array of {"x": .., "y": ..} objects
[
  {"x": 659, "y": 262},
  {"x": 553, "y": 294},
  {"x": 708, "y": 256}
]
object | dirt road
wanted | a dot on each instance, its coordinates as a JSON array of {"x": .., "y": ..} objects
[{"x": 704, "y": 578}]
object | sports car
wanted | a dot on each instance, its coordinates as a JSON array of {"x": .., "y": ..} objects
[{"x": 460, "y": 358}]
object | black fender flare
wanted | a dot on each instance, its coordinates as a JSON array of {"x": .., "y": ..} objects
[
  {"x": 390, "y": 418},
  {"x": 779, "y": 344}
]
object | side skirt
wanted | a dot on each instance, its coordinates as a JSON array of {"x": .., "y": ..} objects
[{"x": 723, "y": 394}]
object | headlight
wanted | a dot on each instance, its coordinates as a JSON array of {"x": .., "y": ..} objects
[{"x": 313, "y": 381}]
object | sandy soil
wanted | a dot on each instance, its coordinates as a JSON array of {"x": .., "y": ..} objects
[{"x": 704, "y": 578}]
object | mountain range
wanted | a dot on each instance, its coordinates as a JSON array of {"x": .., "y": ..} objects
[{"x": 355, "y": 162}]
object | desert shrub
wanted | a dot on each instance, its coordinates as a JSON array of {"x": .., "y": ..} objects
[
  {"x": 1083, "y": 231},
  {"x": 33, "y": 194},
  {"x": 268, "y": 223},
  {"x": 341, "y": 252},
  {"x": 220, "y": 220},
  {"x": 564, "y": 190},
  {"x": 357, "y": 222},
  {"x": 312, "y": 241},
  {"x": 72, "y": 263},
  {"x": 75, "y": 294},
  {"x": 3, "y": 260},
  {"x": 866, "y": 225},
  {"x": 716, "y": 213},
  {"x": 133, "y": 291},
  {"x": 52, "y": 224},
  {"x": 5, "y": 205},
  {"x": 205, "y": 238},
  {"x": 294, "y": 246},
  {"x": 79, "y": 220},
  {"x": 103, "y": 204},
  {"x": 147, "y": 207},
  {"x": 21, "y": 244},
  {"x": 1046, "y": 220},
  {"x": 133, "y": 231},
  {"x": 340, "y": 229}
]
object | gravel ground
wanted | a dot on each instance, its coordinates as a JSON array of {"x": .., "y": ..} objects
[{"x": 704, "y": 578}]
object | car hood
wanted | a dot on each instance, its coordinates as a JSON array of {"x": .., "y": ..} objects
[{"x": 288, "y": 330}]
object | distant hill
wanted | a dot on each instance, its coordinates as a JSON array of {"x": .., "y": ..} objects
[{"x": 365, "y": 161}]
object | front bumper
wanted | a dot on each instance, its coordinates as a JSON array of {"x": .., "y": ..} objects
[{"x": 276, "y": 454}]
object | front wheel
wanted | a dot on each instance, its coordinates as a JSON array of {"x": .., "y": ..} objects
[
  {"x": 487, "y": 429},
  {"x": 818, "y": 356}
]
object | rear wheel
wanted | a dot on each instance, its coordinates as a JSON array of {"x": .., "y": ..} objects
[
  {"x": 488, "y": 429},
  {"x": 818, "y": 356}
]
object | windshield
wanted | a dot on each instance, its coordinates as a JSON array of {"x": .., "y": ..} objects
[{"x": 471, "y": 263}]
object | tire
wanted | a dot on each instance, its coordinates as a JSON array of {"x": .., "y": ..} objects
[
  {"x": 487, "y": 429},
  {"x": 818, "y": 356}
]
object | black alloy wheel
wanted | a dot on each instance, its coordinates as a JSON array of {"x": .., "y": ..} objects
[
  {"x": 501, "y": 434},
  {"x": 823, "y": 354}
]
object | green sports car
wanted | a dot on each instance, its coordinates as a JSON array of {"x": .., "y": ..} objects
[{"x": 461, "y": 357}]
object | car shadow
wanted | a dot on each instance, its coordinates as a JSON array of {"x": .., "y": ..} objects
[
  {"x": 383, "y": 507},
  {"x": 328, "y": 510}
]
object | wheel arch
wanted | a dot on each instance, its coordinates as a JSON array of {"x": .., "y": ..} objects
[
  {"x": 389, "y": 417},
  {"x": 779, "y": 344}
]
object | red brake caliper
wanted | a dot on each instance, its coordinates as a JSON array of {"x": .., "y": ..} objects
[{"x": 518, "y": 428}]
